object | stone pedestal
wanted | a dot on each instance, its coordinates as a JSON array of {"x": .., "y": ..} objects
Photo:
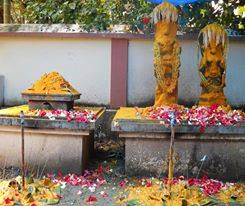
[
  {"x": 50, "y": 102},
  {"x": 50, "y": 145},
  {"x": 46, "y": 149},
  {"x": 147, "y": 148},
  {"x": 147, "y": 154}
]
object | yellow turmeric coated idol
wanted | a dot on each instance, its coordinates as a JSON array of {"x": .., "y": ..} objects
[
  {"x": 213, "y": 45},
  {"x": 166, "y": 54}
]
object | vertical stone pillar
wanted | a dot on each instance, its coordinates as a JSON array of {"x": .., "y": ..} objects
[
  {"x": 166, "y": 54},
  {"x": 119, "y": 72}
]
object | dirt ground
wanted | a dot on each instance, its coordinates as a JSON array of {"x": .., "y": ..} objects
[
  {"x": 109, "y": 157},
  {"x": 107, "y": 153}
]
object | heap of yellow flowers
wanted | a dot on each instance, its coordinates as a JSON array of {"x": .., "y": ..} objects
[
  {"x": 181, "y": 194},
  {"x": 157, "y": 196},
  {"x": 51, "y": 84},
  {"x": 36, "y": 193}
]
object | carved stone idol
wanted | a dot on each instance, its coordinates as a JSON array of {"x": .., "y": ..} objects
[
  {"x": 213, "y": 45},
  {"x": 166, "y": 54}
]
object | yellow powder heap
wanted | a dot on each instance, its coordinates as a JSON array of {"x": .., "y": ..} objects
[{"x": 51, "y": 84}]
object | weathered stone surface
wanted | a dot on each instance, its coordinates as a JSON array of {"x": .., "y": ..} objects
[
  {"x": 51, "y": 105},
  {"x": 45, "y": 149},
  {"x": 58, "y": 123},
  {"x": 1, "y": 90},
  {"x": 155, "y": 126},
  {"x": 148, "y": 155},
  {"x": 50, "y": 145},
  {"x": 147, "y": 147},
  {"x": 104, "y": 129}
]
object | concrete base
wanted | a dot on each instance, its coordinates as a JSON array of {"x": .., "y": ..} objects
[
  {"x": 46, "y": 149},
  {"x": 147, "y": 154},
  {"x": 147, "y": 147}
]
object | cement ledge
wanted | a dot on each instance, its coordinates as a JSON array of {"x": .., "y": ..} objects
[
  {"x": 74, "y": 31},
  {"x": 45, "y": 123},
  {"x": 201, "y": 137},
  {"x": 124, "y": 126}
]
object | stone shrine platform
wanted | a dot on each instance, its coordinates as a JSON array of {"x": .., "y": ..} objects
[
  {"x": 50, "y": 145},
  {"x": 147, "y": 146}
]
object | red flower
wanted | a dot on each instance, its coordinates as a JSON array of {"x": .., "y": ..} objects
[
  {"x": 193, "y": 181},
  {"x": 146, "y": 20},
  {"x": 33, "y": 204},
  {"x": 198, "y": 116},
  {"x": 58, "y": 196},
  {"x": 68, "y": 119},
  {"x": 209, "y": 186},
  {"x": 7, "y": 200},
  {"x": 122, "y": 183},
  {"x": 100, "y": 169},
  {"x": 42, "y": 113},
  {"x": 91, "y": 199},
  {"x": 214, "y": 107},
  {"x": 148, "y": 183}
]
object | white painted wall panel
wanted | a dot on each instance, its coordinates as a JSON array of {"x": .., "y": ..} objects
[
  {"x": 83, "y": 62},
  {"x": 141, "y": 81},
  {"x": 86, "y": 64}
]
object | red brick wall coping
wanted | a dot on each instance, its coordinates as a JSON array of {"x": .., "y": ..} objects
[{"x": 101, "y": 35}]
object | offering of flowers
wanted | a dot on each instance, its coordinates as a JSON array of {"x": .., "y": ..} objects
[
  {"x": 197, "y": 115},
  {"x": 37, "y": 192},
  {"x": 191, "y": 191},
  {"x": 78, "y": 115}
]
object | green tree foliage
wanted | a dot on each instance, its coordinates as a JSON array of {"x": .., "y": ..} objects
[
  {"x": 90, "y": 14},
  {"x": 229, "y": 13},
  {"x": 130, "y": 12},
  {"x": 98, "y": 15}
]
